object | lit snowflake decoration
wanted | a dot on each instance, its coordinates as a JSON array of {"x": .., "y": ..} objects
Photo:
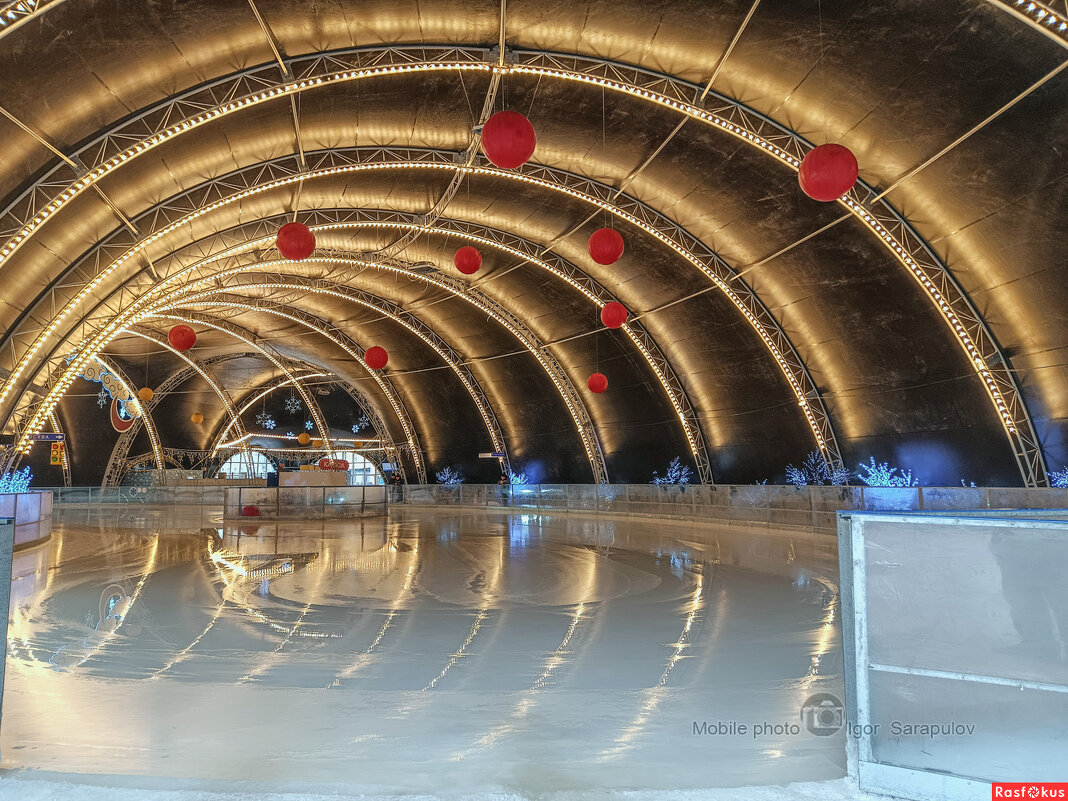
[
  {"x": 362, "y": 423},
  {"x": 293, "y": 404},
  {"x": 102, "y": 398},
  {"x": 266, "y": 421},
  {"x": 308, "y": 425},
  {"x": 290, "y": 434}
]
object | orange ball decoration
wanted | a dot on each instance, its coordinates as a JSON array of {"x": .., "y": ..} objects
[
  {"x": 304, "y": 438},
  {"x": 508, "y": 139},
  {"x": 182, "y": 337},
  {"x": 196, "y": 418},
  {"x": 467, "y": 260},
  {"x": 598, "y": 383},
  {"x": 145, "y": 394},
  {"x": 376, "y": 357},
  {"x": 295, "y": 241},
  {"x": 827, "y": 172},
  {"x": 614, "y": 314},
  {"x": 606, "y": 245}
]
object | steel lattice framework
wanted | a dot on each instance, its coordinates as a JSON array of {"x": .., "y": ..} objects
[
  {"x": 300, "y": 286},
  {"x": 389, "y": 447},
  {"x": 189, "y": 110},
  {"x": 331, "y": 332},
  {"x": 118, "y": 463}
]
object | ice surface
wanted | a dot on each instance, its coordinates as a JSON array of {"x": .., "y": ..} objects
[{"x": 435, "y": 653}]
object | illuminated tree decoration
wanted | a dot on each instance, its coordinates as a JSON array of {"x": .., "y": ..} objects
[
  {"x": 883, "y": 475},
  {"x": 815, "y": 471},
  {"x": 467, "y": 260},
  {"x": 376, "y": 357},
  {"x": 677, "y": 473},
  {"x": 605, "y": 245},
  {"x": 614, "y": 314},
  {"x": 449, "y": 476},
  {"x": 1058, "y": 478},
  {"x": 508, "y": 139},
  {"x": 598, "y": 383},
  {"x": 182, "y": 338},
  {"x": 15, "y": 482},
  {"x": 295, "y": 241},
  {"x": 827, "y": 172}
]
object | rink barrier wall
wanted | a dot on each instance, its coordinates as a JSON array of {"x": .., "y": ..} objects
[
  {"x": 788, "y": 507},
  {"x": 954, "y": 621},
  {"x": 30, "y": 514},
  {"x": 305, "y": 503}
]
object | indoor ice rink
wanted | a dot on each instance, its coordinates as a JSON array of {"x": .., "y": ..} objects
[{"x": 516, "y": 400}]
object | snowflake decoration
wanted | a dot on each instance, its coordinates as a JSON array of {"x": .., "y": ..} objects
[
  {"x": 293, "y": 404},
  {"x": 360, "y": 424},
  {"x": 102, "y": 398},
  {"x": 308, "y": 425},
  {"x": 266, "y": 421},
  {"x": 290, "y": 434}
]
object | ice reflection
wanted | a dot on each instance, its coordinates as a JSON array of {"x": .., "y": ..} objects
[{"x": 428, "y": 649}]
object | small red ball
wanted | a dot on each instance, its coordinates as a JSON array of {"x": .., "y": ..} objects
[
  {"x": 508, "y": 139},
  {"x": 182, "y": 337},
  {"x": 376, "y": 357},
  {"x": 614, "y": 314},
  {"x": 467, "y": 260},
  {"x": 606, "y": 245},
  {"x": 295, "y": 241},
  {"x": 827, "y": 172},
  {"x": 250, "y": 511},
  {"x": 598, "y": 382}
]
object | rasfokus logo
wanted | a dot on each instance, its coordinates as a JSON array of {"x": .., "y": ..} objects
[{"x": 1029, "y": 790}]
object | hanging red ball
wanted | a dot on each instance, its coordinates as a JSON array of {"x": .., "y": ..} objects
[
  {"x": 606, "y": 245},
  {"x": 598, "y": 382},
  {"x": 827, "y": 172},
  {"x": 182, "y": 337},
  {"x": 295, "y": 241},
  {"x": 508, "y": 139},
  {"x": 376, "y": 357},
  {"x": 614, "y": 314},
  {"x": 467, "y": 260}
]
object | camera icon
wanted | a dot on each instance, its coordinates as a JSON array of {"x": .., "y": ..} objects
[{"x": 823, "y": 714}]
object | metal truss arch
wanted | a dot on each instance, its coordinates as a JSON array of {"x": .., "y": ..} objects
[
  {"x": 200, "y": 105},
  {"x": 325, "y": 329},
  {"x": 117, "y": 462},
  {"x": 388, "y": 309}
]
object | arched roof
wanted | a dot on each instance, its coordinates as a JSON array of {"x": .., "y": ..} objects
[{"x": 151, "y": 149}]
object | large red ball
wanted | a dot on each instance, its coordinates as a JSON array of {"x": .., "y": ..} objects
[
  {"x": 598, "y": 382},
  {"x": 606, "y": 245},
  {"x": 508, "y": 139},
  {"x": 250, "y": 511},
  {"x": 376, "y": 357},
  {"x": 467, "y": 260},
  {"x": 827, "y": 172},
  {"x": 295, "y": 241},
  {"x": 182, "y": 337},
  {"x": 614, "y": 314}
]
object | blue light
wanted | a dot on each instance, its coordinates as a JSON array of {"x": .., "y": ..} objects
[
  {"x": 15, "y": 482},
  {"x": 883, "y": 475},
  {"x": 1059, "y": 478}
]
